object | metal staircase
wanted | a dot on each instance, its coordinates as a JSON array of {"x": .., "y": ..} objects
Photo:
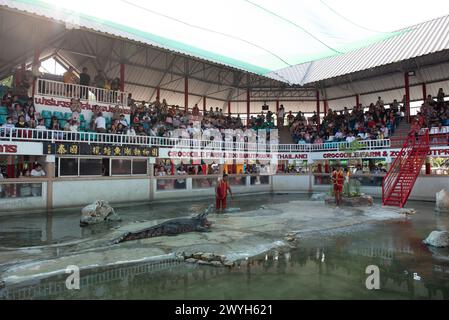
[{"x": 400, "y": 179}]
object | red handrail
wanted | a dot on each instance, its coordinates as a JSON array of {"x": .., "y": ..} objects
[{"x": 406, "y": 167}]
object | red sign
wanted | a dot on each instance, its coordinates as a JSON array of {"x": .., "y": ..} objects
[{"x": 8, "y": 148}]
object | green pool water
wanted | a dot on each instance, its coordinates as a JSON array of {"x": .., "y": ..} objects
[{"x": 326, "y": 265}]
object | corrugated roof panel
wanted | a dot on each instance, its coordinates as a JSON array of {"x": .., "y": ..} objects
[{"x": 421, "y": 39}]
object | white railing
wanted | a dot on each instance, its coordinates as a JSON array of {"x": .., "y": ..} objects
[
  {"x": 88, "y": 94},
  {"x": 25, "y": 134}
]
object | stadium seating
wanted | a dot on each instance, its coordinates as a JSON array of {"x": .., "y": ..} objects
[
  {"x": 58, "y": 115},
  {"x": 2, "y": 119},
  {"x": 46, "y": 114},
  {"x": 3, "y": 111}
]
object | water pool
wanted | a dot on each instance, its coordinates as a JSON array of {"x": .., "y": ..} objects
[{"x": 326, "y": 265}]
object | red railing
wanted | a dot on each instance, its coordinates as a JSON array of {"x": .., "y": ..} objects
[{"x": 400, "y": 179}]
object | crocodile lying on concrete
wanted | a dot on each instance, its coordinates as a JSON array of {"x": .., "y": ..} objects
[{"x": 171, "y": 227}]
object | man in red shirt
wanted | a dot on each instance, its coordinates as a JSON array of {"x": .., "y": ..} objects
[
  {"x": 221, "y": 192},
  {"x": 338, "y": 179}
]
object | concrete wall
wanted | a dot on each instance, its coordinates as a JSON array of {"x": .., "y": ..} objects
[
  {"x": 425, "y": 188},
  {"x": 191, "y": 193},
  {"x": 82, "y": 192},
  {"x": 26, "y": 203},
  {"x": 68, "y": 193},
  {"x": 291, "y": 183}
]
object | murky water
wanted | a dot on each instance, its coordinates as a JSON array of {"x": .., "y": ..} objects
[{"x": 325, "y": 266}]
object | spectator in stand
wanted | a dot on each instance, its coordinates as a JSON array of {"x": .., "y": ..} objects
[
  {"x": 379, "y": 102},
  {"x": 350, "y": 138},
  {"x": 113, "y": 129},
  {"x": 100, "y": 81},
  {"x": 130, "y": 100},
  {"x": 84, "y": 81},
  {"x": 120, "y": 129},
  {"x": 116, "y": 114},
  {"x": 41, "y": 125},
  {"x": 71, "y": 126},
  {"x": 15, "y": 111},
  {"x": 290, "y": 118},
  {"x": 100, "y": 123},
  {"x": 54, "y": 124},
  {"x": 70, "y": 79},
  {"x": 31, "y": 114},
  {"x": 196, "y": 110},
  {"x": 28, "y": 105},
  {"x": 131, "y": 131},
  {"x": 8, "y": 126},
  {"x": 8, "y": 96},
  {"x": 281, "y": 116},
  {"x": 140, "y": 130},
  {"x": 115, "y": 87},
  {"x": 37, "y": 172},
  {"x": 21, "y": 123},
  {"x": 95, "y": 111},
  {"x": 123, "y": 121}
]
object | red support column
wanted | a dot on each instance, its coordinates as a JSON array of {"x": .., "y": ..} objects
[
  {"x": 407, "y": 96},
  {"x": 318, "y": 109},
  {"x": 248, "y": 102},
  {"x": 10, "y": 169},
  {"x": 37, "y": 54},
  {"x": 122, "y": 77},
  {"x": 428, "y": 167},
  {"x": 277, "y": 105},
  {"x": 229, "y": 107},
  {"x": 357, "y": 100},
  {"x": 158, "y": 93},
  {"x": 186, "y": 93},
  {"x": 204, "y": 105},
  {"x": 424, "y": 92}
]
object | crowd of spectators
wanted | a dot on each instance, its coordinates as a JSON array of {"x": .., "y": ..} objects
[
  {"x": 348, "y": 125},
  {"x": 158, "y": 118},
  {"x": 433, "y": 114}
]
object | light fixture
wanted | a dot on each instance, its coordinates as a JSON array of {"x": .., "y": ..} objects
[{"x": 411, "y": 73}]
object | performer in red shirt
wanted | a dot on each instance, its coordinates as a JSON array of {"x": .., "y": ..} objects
[
  {"x": 221, "y": 192},
  {"x": 338, "y": 179}
]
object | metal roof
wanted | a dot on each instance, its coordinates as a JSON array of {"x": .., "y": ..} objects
[{"x": 416, "y": 41}]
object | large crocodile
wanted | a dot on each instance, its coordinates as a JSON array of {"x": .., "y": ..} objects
[{"x": 171, "y": 227}]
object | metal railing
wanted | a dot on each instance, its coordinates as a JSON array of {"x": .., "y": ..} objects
[
  {"x": 58, "y": 89},
  {"x": 53, "y": 136},
  {"x": 413, "y": 146}
]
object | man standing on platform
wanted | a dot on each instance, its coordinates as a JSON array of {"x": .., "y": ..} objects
[
  {"x": 338, "y": 179},
  {"x": 221, "y": 192}
]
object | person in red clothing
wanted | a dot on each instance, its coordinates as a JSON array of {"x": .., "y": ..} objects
[
  {"x": 338, "y": 179},
  {"x": 221, "y": 192}
]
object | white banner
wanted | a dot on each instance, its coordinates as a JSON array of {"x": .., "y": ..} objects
[{"x": 63, "y": 105}]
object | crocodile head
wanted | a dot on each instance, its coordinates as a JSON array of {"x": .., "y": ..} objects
[{"x": 202, "y": 217}]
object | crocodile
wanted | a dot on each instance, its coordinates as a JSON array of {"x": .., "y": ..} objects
[{"x": 171, "y": 227}]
